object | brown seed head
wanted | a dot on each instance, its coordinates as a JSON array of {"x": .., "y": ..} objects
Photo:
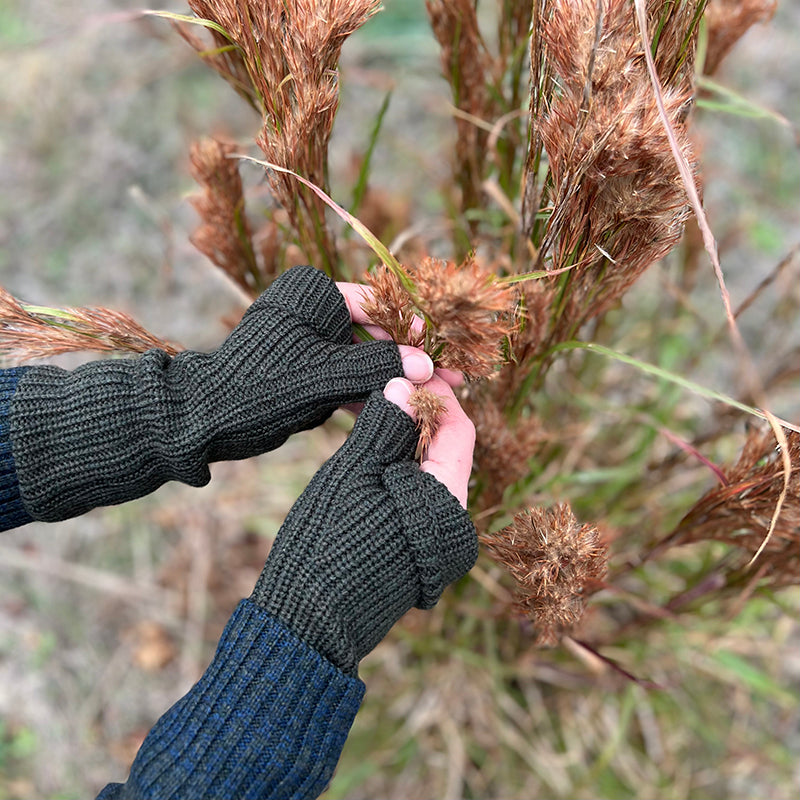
[
  {"x": 392, "y": 308},
  {"x": 741, "y": 511},
  {"x": 503, "y": 449},
  {"x": 430, "y": 410},
  {"x": 284, "y": 62},
  {"x": 470, "y": 313},
  {"x": 617, "y": 203},
  {"x": 727, "y": 21},
  {"x": 466, "y": 65},
  {"x": 224, "y": 233},
  {"x": 556, "y": 562}
]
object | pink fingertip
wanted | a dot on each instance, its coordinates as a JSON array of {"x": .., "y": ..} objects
[
  {"x": 417, "y": 365},
  {"x": 397, "y": 391},
  {"x": 450, "y": 376}
]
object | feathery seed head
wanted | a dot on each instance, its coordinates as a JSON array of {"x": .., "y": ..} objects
[
  {"x": 467, "y": 313},
  {"x": 740, "y": 512},
  {"x": 430, "y": 409},
  {"x": 617, "y": 203},
  {"x": 224, "y": 234},
  {"x": 28, "y": 332},
  {"x": 556, "y": 562}
]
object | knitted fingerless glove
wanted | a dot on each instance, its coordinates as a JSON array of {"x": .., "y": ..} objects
[
  {"x": 114, "y": 430},
  {"x": 370, "y": 537}
]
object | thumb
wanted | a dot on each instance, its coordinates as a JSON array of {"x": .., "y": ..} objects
[
  {"x": 399, "y": 391},
  {"x": 382, "y": 434}
]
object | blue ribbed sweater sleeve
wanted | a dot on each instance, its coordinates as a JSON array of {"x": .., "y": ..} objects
[
  {"x": 268, "y": 719},
  {"x": 12, "y": 511}
]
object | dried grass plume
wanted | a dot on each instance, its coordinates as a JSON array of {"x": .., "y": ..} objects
[
  {"x": 282, "y": 55},
  {"x": 740, "y": 511},
  {"x": 556, "y": 563},
  {"x": 727, "y": 21},
  {"x": 468, "y": 313},
  {"x": 430, "y": 410},
  {"x": 224, "y": 233},
  {"x": 613, "y": 202},
  {"x": 29, "y": 332}
]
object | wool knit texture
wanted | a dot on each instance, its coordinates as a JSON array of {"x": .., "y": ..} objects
[
  {"x": 370, "y": 537},
  {"x": 114, "y": 430},
  {"x": 268, "y": 719}
]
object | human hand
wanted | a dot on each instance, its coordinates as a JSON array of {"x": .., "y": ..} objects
[
  {"x": 114, "y": 430},
  {"x": 419, "y": 372},
  {"x": 449, "y": 455},
  {"x": 373, "y": 534}
]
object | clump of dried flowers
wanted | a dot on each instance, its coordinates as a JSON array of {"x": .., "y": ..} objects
[
  {"x": 467, "y": 312},
  {"x": 556, "y": 562}
]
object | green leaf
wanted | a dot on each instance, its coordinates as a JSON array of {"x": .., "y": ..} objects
[
  {"x": 46, "y": 311},
  {"x": 537, "y": 275},
  {"x": 363, "y": 173},
  {"x": 728, "y": 101},
  {"x": 206, "y": 23},
  {"x": 671, "y": 377},
  {"x": 750, "y": 675},
  {"x": 374, "y": 243}
]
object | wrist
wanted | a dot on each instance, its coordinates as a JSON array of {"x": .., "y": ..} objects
[{"x": 371, "y": 537}]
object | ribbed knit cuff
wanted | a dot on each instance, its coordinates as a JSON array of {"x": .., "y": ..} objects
[
  {"x": 437, "y": 527},
  {"x": 104, "y": 433},
  {"x": 12, "y": 510},
  {"x": 268, "y": 718},
  {"x": 370, "y": 537}
]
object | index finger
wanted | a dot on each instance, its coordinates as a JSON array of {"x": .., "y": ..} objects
[
  {"x": 354, "y": 295},
  {"x": 357, "y": 293}
]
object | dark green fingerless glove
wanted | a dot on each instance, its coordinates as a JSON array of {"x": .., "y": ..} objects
[
  {"x": 370, "y": 537},
  {"x": 111, "y": 431}
]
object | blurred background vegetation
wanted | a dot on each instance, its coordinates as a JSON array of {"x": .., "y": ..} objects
[{"x": 106, "y": 620}]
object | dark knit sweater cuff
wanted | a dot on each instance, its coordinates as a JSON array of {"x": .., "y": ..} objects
[
  {"x": 12, "y": 511},
  {"x": 268, "y": 718},
  {"x": 439, "y": 531}
]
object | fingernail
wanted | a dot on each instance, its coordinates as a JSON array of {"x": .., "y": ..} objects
[
  {"x": 417, "y": 367},
  {"x": 397, "y": 391}
]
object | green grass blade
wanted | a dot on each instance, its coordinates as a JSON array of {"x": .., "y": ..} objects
[
  {"x": 374, "y": 243},
  {"x": 206, "y": 23},
  {"x": 751, "y": 675},
  {"x": 537, "y": 275},
  {"x": 671, "y": 377},
  {"x": 527, "y": 276},
  {"x": 46, "y": 311},
  {"x": 363, "y": 173},
  {"x": 728, "y": 101}
]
